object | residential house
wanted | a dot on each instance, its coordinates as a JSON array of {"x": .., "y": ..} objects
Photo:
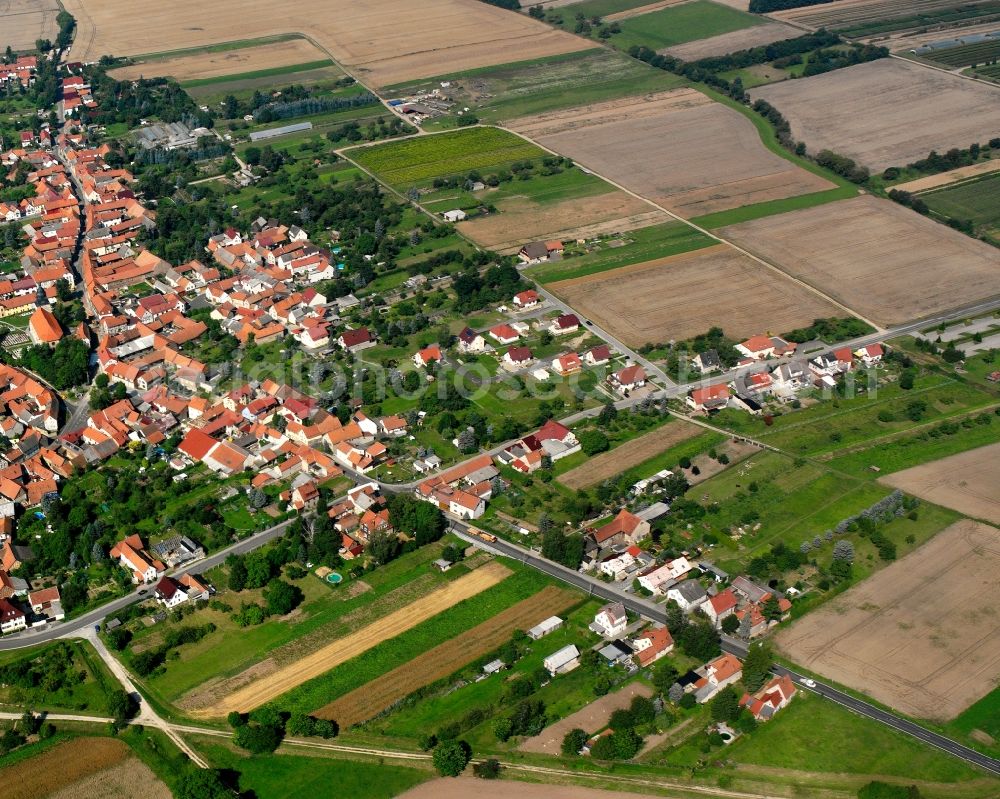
[
  {"x": 567, "y": 364},
  {"x": 716, "y": 675},
  {"x": 356, "y": 340},
  {"x": 625, "y": 528},
  {"x": 566, "y": 323},
  {"x": 707, "y": 361},
  {"x": 651, "y": 645},
  {"x": 657, "y": 579},
  {"x": 47, "y": 602},
  {"x": 720, "y": 606},
  {"x": 598, "y": 356},
  {"x": 132, "y": 556},
  {"x": 517, "y": 357},
  {"x": 709, "y": 398},
  {"x": 504, "y": 334},
  {"x": 761, "y": 347},
  {"x": 12, "y": 618},
  {"x": 471, "y": 341},
  {"x": 611, "y": 620},
  {"x": 628, "y": 379},
  {"x": 688, "y": 595},
  {"x": 526, "y": 299},
  {"x": 775, "y": 695},
  {"x": 427, "y": 356},
  {"x": 870, "y": 355}
]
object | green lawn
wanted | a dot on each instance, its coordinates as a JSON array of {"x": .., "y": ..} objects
[
  {"x": 976, "y": 200},
  {"x": 688, "y": 22},
  {"x": 273, "y": 72},
  {"x": 414, "y": 161},
  {"x": 984, "y": 716},
  {"x": 745, "y": 213},
  {"x": 636, "y": 246},
  {"x": 813, "y": 734},
  {"x": 281, "y": 775}
]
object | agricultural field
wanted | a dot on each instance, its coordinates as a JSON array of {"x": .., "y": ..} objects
[
  {"x": 271, "y": 57},
  {"x": 23, "y": 22},
  {"x": 383, "y": 42},
  {"x": 964, "y": 55},
  {"x": 656, "y": 146},
  {"x": 677, "y": 24},
  {"x": 874, "y": 256},
  {"x": 656, "y": 301},
  {"x": 373, "y": 697},
  {"x": 631, "y": 453},
  {"x": 744, "y": 39},
  {"x": 877, "y": 113},
  {"x": 942, "y": 179},
  {"x": 471, "y": 788},
  {"x": 975, "y": 200},
  {"x": 861, "y": 18},
  {"x": 82, "y": 766},
  {"x": 612, "y": 252},
  {"x": 966, "y": 482},
  {"x": 951, "y": 654},
  {"x": 521, "y": 88},
  {"x": 261, "y": 691}
]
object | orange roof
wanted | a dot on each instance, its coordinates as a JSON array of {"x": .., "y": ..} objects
[{"x": 45, "y": 326}]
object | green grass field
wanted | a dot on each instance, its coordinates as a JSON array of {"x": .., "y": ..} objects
[
  {"x": 86, "y": 697},
  {"x": 745, "y": 213},
  {"x": 636, "y": 246},
  {"x": 977, "y": 200},
  {"x": 983, "y": 716},
  {"x": 523, "y": 88},
  {"x": 272, "y": 72},
  {"x": 683, "y": 23},
  {"x": 280, "y": 775},
  {"x": 418, "y": 160}
]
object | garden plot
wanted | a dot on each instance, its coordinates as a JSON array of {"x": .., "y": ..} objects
[
  {"x": 383, "y": 41},
  {"x": 885, "y": 113},
  {"x": 879, "y": 258},
  {"x": 966, "y": 482},
  {"x": 882, "y": 638},
  {"x": 679, "y": 149},
  {"x": 684, "y": 295}
]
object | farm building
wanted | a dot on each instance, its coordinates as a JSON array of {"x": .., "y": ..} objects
[
  {"x": 563, "y": 660},
  {"x": 456, "y": 215},
  {"x": 543, "y": 628}
]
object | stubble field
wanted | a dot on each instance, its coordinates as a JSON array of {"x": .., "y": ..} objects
[
  {"x": 343, "y": 649},
  {"x": 679, "y": 149},
  {"x": 631, "y": 453},
  {"x": 208, "y": 64},
  {"x": 966, "y": 482},
  {"x": 724, "y": 43},
  {"x": 370, "y": 699},
  {"x": 684, "y": 295},
  {"x": 885, "y": 113},
  {"x": 922, "y": 635},
  {"x": 383, "y": 41},
  {"x": 22, "y": 22},
  {"x": 879, "y": 258}
]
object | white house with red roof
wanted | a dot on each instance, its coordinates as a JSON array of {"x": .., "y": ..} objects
[
  {"x": 598, "y": 356},
  {"x": 775, "y": 695},
  {"x": 132, "y": 556},
  {"x": 426, "y": 356},
  {"x": 870, "y": 355},
  {"x": 628, "y": 379},
  {"x": 356, "y": 340},
  {"x": 720, "y": 606},
  {"x": 567, "y": 323},
  {"x": 552, "y": 439},
  {"x": 12, "y": 618},
  {"x": 504, "y": 334},
  {"x": 651, "y": 645},
  {"x": 625, "y": 528},
  {"x": 716, "y": 675},
  {"x": 709, "y": 398},
  {"x": 760, "y": 347},
  {"x": 567, "y": 364},
  {"x": 526, "y": 299}
]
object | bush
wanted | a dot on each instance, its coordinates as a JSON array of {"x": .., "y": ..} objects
[
  {"x": 574, "y": 741},
  {"x": 451, "y": 757},
  {"x": 487, "y": 770},
  {"x": 593, "y": 441}
]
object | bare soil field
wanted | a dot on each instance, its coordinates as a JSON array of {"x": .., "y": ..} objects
[
  {"x": 882, "y": 638},
  {"x": 708, "y": 466},
  {"x": 370, "y": 699},
  {"x": 679, "y": 149},
  {"x": 472, "y": 788},
  {"x": 62, "y": 766},
  {"x": 343, "y": 649},
  {"x": 640, "y": 10},
  {"x": 285, "y": 53},
  {"x": 382, "y": 41},
  {"x": 947, "y": 178},
  {"x": 967, "y": 482},
  {"x": 885, "y": 113},
  {"x": 731, "y": 42},
  {"x": 592, "y": 718},
  {"x": 131, "y": 777},
  {"x": 629, "y": 454},
  {"x": 879, "y": 258},
  {"x": 22, "y": 22},
  {"x": 684, "y": 295},
  {"x": 522, "y": 220}
]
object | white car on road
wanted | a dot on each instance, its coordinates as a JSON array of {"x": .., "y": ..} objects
[{"x": 807, "y": 682}]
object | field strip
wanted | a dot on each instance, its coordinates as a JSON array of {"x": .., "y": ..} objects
[
  {"x": 371, "y": 698},
  {"x": 631, "y": 453},
  {"x": 948, "y": 178},
  {"x": 350, "y": 646},
  {"x": 640, "y": 10}
]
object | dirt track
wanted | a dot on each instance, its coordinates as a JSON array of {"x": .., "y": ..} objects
[
  {"x": 472, "y": 788},
  {"x": 875, "y": 256},
  {"x": 684, "y": 295},
  {"x": 350, "y": 646},
  {"x": 968, "y": 482},
  {"x": 629, "y": 454},
  {"x": 229, "y": 62},
  {"x": 922, "y": 635},
  {"x": 383, "y": 41},
  {"x": 679, "y": 149}
]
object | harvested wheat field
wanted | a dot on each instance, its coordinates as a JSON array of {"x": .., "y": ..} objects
[
  {"x": 684, "y": 295},
  {"x": 754, "y": 36},
  {"x": 886, "y": 113},
  {"x": 951, "y": 176},
  {"x": 679, "y": 149},
  {"x": 343, "y": 649},
  {"x": 875, "y": 256},
  {"x": 522, "y": 220},
  {"x": 82, "y": 763},
  {"x": 197, "y": 66},
  {"x": 23, "y": 22},
  {"x": 629, "y": 454},
  {"x": 592, "y": 718},
  {"x": 472, "y": 788},
  {"x": 372, "y": 698},
  {"x": 922, "y": 635},
  {"x": 967, "y": 482},
  {"x": 382, "y": 41}
]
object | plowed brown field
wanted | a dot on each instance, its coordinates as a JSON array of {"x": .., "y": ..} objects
[
  {"x": 61, "y": 766},
  {"x": 370, "y": 699},
  {"x": 383, "y": 41},
  {"x": 350, "y": 646},
  {"x": 23, "y": 22},
  {"x": 679, "y": 149}
]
